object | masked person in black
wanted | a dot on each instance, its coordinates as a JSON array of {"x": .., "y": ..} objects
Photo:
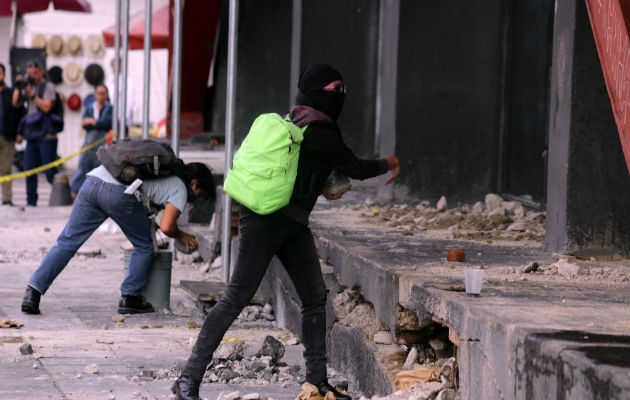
[{"x": 285, "y": 233}]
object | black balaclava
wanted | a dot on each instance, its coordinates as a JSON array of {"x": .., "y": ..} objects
[{"x": 312, "y": 80}]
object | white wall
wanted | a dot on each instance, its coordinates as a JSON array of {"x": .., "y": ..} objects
[
  {"x": 5, "y": 28},
  {"x": 67, "y": 24}
]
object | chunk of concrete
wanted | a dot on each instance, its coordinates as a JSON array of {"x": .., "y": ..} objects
[
  {"x": 230, "y": 350},
  {"x": 442, "y": 204},
  {"x": 437, "y": 344},
  {"x": 568, "y": 269},
  {"x": 518, "y": 226},
  {"x": 272, "y": 347},
  {"x": 383, "y": 337},
  {"x": 91, "y": 369},
  {"x": 412, "y": 357},
  {"x": 230, "y": 396},
  {"x": 477, "y": 208},
  {"x": 26, "y": 349},
  {"x": 493, "y": 201},
  {"x": 531, "y": 267},
  {"x": 498, "y": 211}
]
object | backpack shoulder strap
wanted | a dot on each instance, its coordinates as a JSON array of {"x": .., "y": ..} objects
[
  {"x": 296, "y": 133},
  {"x": 41, "y": 89}
]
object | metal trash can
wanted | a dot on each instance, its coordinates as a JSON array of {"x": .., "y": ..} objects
[{"x": 158, "y": 288}]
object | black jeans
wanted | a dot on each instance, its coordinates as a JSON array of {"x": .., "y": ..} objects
[{"x": 262, "y": 237}]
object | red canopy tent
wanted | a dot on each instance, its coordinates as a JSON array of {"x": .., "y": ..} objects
[
  {"x": 159, "y": 30},
  {"x": 28, "y": 6}
]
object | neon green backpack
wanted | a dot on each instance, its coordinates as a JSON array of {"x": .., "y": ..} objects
[{"x": 264, "y": 168}]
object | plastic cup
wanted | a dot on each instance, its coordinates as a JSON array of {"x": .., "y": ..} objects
[{"x": 473, "y": 278}]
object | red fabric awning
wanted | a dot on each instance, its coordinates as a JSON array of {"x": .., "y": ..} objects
[
  {"x": 29, "y": 6},
  {"x": 159, "y": 30}
]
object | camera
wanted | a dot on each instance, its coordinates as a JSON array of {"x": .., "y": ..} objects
[{"x": 27, "y": 80}]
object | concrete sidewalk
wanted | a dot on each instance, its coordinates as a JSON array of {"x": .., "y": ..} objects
[{"x": 76, "y": 329}]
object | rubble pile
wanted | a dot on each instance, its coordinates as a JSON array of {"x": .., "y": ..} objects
[
  {"x": 255, "y": 313},
  {"x": 566, "y": 268},
  {"x": 420, "y": 391},
  {"x": 231, "y": 365},
  {"x": 493, "y": 219}
]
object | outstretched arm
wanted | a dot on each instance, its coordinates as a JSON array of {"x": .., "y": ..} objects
[{"x": 168, "y": 225}]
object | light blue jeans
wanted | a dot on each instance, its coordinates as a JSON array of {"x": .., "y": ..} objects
[{"x": 96, "y": 201}]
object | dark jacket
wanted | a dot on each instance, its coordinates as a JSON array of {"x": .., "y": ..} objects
[
  {"x": 10, "y": 115},
  {"x": 322, "y": 150},
  {"x": 104, "y": 121}
]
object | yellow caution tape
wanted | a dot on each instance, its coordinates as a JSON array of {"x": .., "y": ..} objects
[
  {"x": 233, "y": 339},
  {"x": 7, "y": 178}
]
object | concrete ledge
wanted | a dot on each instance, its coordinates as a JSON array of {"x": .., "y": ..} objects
[
  {"x": 596, "y": 365},
  {"x": 378, "y": 285},
  {"x": 506, "y": 351},
  {"x": 502, "y": 352},
  {"x": 349, "y": 350},
  {"x": 509, "y": 341}
]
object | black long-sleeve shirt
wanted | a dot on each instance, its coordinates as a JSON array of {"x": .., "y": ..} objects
[{"x": 322, "y": 150}]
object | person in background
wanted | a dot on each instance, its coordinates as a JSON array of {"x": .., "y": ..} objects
[
  {"x": 39, "y": 94},
  {"x": 97, "y": 121},
  {"x": 8, "y": 133},
  {"x": 131, "y": 104},
  {"x": 285, "y": 233}
]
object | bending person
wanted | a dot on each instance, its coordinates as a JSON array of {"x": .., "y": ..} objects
[
  {"x": 285, "y": 233},
  {"x": 102, "y": 196}
]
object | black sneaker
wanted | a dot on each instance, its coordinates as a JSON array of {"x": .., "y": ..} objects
[
  {"x": 7, "y": 203},
  {"x": 30, "y": 302},
  {"x": 130, "y": 304},
  {"x": 186, "y": 388},
  {"x": 324, "y": 387}
]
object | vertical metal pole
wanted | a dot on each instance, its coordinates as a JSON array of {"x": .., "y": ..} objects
[
  {"x": 177, "y": 75},
  {"x": 13, "y": 29},
  {"x": 177, "y": 85},
  {"x": 125, "y": 63},
  {"x": 116, "y": 98},
  {"x": 296, "y": 49},
  {"x": 229, "y": 137},
  {"x": 147, "y": 69},
  {"x": 386, "y": 87}
]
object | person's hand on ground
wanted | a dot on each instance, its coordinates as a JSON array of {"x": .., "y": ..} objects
[
  {"x": 333, "y": 195},
  {"x": 394, "y": 166}
]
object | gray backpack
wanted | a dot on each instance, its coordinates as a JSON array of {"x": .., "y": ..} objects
[{"x": 131, "y": 159}]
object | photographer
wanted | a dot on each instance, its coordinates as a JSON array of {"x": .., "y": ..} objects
[
  {"x": 41, "y": 138},
  {"x": 8, "y": 123}
]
